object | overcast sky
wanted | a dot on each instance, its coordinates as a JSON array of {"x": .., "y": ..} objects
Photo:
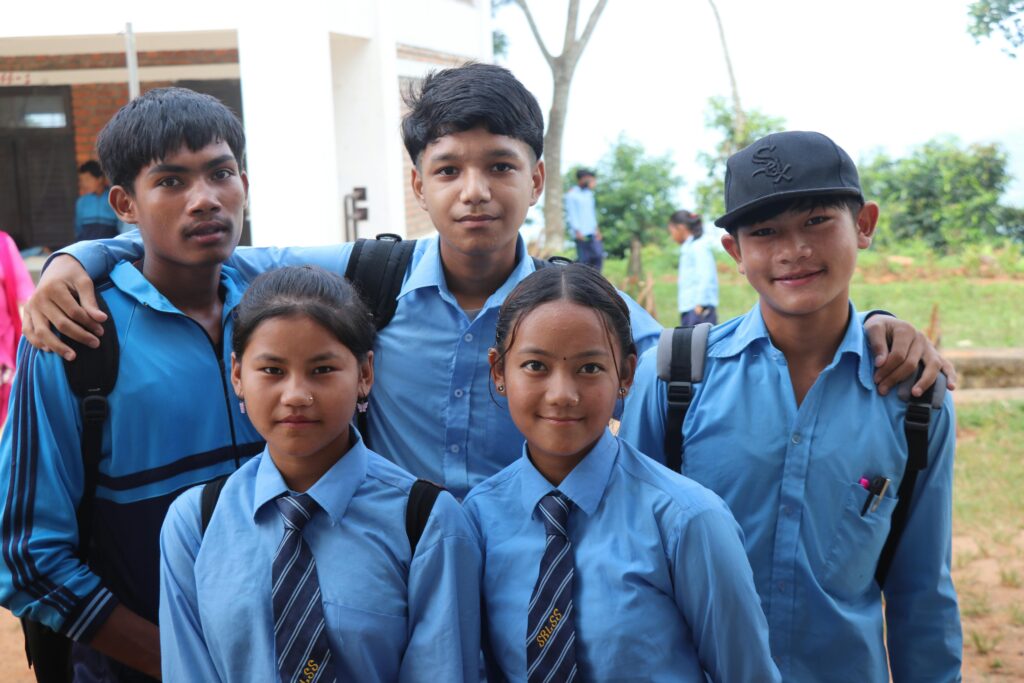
[{"x": 872, "y": 74}]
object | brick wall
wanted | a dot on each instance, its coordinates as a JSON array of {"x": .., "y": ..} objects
[
  {"x": 115, "y": 60},
  {"x": 92, "y": 105}
]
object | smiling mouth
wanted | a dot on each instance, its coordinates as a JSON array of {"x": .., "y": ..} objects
[
  {"x": 799, "y": 278},
  {"x": 481, "y": 218},
  {"x": 295, "y": 420}
]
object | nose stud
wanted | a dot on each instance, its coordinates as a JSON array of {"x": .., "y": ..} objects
[{"x": 309, "y": 401}]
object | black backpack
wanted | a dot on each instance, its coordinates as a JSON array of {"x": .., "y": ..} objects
[{"x": 680, "y": 361}]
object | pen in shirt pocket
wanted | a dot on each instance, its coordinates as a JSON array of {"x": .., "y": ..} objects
[{"x": 876, "y": 491}]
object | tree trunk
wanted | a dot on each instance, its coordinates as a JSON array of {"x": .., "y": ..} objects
[
  {"x": 635, "y": 267},
  {"x": 739, "y": 116},
  {"x": 554, "y": 217}
]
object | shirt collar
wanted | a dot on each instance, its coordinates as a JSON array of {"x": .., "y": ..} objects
[
  {"x": 130, "y": 280},
  {"x": 751, "y": 329},
  {"x": 428, "y": 272},
  {"x": 332, "y": 492},
  {"x": 585, "y": 485}
]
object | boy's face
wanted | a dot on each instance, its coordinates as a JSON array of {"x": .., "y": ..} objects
[
  {"x": 189, "y": 206},
  {"x": 801, "y": 262},
  {"x": 90, "y": 184},
  {"x": 477, "y": 187}
]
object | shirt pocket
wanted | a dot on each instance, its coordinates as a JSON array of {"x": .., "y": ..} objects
[{"x": 857, "y": 543}]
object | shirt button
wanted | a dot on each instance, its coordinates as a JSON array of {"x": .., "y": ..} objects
[
  {"x": 458, "y": 393},
  {"x": 454, "y": 448},
  {"x": 468, "y": 337},
  {"x": 796, "y": 438}
]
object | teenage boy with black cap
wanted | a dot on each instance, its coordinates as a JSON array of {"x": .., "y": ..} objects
[{"x": 796, "y": 370}]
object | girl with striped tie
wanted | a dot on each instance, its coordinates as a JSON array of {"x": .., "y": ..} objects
[
  {"x": 599, "y": 563},
  {"x": 306, "y": 570}
]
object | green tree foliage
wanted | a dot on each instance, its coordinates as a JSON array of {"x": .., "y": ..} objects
[
  {"x": 635, "y": 195},
  {"x": 1004, "y": 16},
  {"x": 721, "y": 117},
  {"x": 944, "y": 193}
]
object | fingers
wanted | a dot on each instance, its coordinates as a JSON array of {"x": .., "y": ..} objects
[
  {"x": 933, "y": 363},
  {"x": 94, "y": 317},
  {"x": 900, "y": 362},
  {"x": 39, "y": 334}
]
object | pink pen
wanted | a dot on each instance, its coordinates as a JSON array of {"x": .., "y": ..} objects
[{"x": 865, "y": 483}]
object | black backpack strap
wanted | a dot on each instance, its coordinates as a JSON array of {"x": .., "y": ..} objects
[
  {"x": 91, "y": 377},
  {"x": 681, "y": 354},
  {"x": 916, "y": 423},
  {"x": 421, "y": 502},
  {"x": 377, "y": 268},
  {"x": 208, "y": 501}
]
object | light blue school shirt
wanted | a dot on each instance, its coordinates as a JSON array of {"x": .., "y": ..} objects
[
  {"x": 433, "y": 409},
  {"x": 790, "y": 475},
  {"x": 581, "y": 211},
  {"x": 95, "y": 209},
  {"x": 698, "y": 278},
  {"x": 390, "y": 616},
  {"x": 662, "y": 588}
]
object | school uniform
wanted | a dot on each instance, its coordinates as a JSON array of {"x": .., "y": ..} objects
[
  {"x": 697, "y": 281},
  {"x": 662, "y": 590},
  {"x": 173, "y": 423},
  {"x": 790, "y": 474},
  {"x": 432, "y": 409},
  {"x": 390, "y": 615}
]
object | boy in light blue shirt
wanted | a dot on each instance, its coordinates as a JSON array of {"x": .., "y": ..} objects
[
  {"x": 697, "y": 282},
  {"x": 786, "y": 427}
]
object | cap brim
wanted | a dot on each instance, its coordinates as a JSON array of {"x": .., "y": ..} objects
[{"x": 730, "y": 219}]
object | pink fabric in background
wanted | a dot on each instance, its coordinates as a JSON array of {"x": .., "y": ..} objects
[{"x": 17, "y": 288}]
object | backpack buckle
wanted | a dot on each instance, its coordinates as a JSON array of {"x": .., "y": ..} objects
[
  {"x": 95, "y": 408},
  {"x": 918, "y": 417},
  {"x": 680, "y": 394}
]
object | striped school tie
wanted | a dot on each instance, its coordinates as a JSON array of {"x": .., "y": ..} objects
[
  {"x": 551, "y": 636},
  {"x": 303, "y": 653}
]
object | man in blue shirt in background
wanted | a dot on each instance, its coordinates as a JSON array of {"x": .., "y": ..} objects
[
  {"x": 94, "y": 217},
  {"x": 697, "y": 283},
  {"x": 581, "y": 219},
  {"x": 788, "y": 429}
]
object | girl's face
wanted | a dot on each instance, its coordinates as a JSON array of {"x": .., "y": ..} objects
[
  {"x": 560, "y": 379},
  {"x": 300, "y": 386}
]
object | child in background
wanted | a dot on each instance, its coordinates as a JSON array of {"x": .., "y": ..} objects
[
  {"x": 263, "y": 594},
  {"x": 698, "y": 279},
  {"x": 600, "y": 564}
]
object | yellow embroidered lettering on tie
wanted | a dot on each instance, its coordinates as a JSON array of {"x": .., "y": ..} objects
[
  {"x": 309, "y": 672},
  {"x": 545, "y": 633}
]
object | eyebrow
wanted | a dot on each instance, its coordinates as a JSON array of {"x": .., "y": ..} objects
[
  {"x": 177, "y": 168},
  {"x": 496, "y": 153},
  {"x": 537, "y": 351},
  {"x": 267, "y": 356}
]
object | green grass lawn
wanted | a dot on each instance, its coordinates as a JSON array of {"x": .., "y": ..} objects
[
  {"x": 989, "y": 469},
  {"x": 973, "y": 311}
]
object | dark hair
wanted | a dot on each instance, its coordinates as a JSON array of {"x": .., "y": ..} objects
[
  {"x": 467, "y": 97},
  {"x": 312, "y": 291},
  {"x": 156, "y": 124},
  {"x": 805, "y": 203},
  {"x": 582, "y": 173},
  {"x": 693, "y": 221},
  {"x": 575, "y": 282},
  {"x": 92, "y": 167}
]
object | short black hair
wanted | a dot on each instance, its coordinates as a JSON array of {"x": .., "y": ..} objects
[
  {"x": 805, "y": 203},
  {"x": 574, "y": 282},
  {"x": 309, "y": 291},
  {"x": 92, "y": 167},
  {"x": 159, "y": 122},
  {"x": 467, "y": 97},
  {"x": 693, "y": 221},
  {"x": 582, "y": 173}
]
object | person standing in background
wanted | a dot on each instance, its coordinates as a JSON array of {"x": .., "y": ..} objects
[
  {"x": 18, "y": 287},
  {"x": 581, "y": 218},
  {"x": 94, "y": 217},
  {"x": 698, "y": 278}
]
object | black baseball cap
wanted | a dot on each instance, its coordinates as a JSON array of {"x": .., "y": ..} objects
[{"x": 786, "y": 165}]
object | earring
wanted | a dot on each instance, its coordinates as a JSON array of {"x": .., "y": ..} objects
[
  {"x": 362, "y": 404},
  {"x": 622, "y": 391},
  {"x": 501, "y": 388},
  {"x": 241, "y": 405}
]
